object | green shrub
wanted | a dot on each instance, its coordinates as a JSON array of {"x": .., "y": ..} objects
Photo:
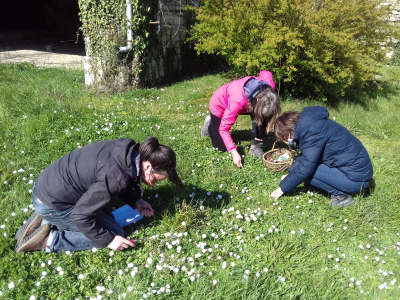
[{"x": 321, "y": 48}]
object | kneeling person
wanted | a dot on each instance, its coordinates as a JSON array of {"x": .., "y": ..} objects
[
  {"x": 70, "y": 196},
  {"x": 332, "y": 158}
]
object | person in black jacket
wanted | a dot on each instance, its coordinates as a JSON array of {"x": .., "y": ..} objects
[
  {"x": 332, "y": 158},
  {"x": 70, "y": 196}
]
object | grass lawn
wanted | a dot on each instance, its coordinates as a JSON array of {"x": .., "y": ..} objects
[{"x": 223, "y": 237}]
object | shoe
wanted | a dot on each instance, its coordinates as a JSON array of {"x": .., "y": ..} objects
[
  {"x": 256, "y": 150},
  {"x": 204, "y": 129},
  {"x": 36, "y": 241},
  {"x": 30, "y": 226},
  {"x": 342, "y": 200}
]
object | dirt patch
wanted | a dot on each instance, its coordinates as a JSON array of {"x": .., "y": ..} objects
[{"x": 43, "y": 53}]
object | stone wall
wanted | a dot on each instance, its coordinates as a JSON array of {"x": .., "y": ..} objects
[
  {"x": 168, "y": 30},
  {"x": 393, "y": 18},
  {"x": 395, "y": 7}
]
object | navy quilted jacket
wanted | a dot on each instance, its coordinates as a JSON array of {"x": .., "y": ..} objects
[{"x": 323, "y": 141}]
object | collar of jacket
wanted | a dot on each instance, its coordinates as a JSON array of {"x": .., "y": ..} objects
[{"x": 135, "y": 158}]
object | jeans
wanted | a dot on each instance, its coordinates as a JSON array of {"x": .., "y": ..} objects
[
  {"x": 335, "y": 182},
  {"x": 66, "y": 236}
]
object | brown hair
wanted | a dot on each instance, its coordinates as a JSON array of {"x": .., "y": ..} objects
[
  {"x": 161, "y": 157},
  {"x": 266, "y": 109},
  {"x": 286, "y": 124}
]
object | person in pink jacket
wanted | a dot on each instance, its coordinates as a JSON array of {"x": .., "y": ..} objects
[{"x": 249, "y": 95}]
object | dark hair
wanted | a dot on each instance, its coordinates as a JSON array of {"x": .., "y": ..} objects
[
  {"x": 286, "y": 124},
  {"x": 161, "y": 157},
  {"x": 266, "y": 109}
]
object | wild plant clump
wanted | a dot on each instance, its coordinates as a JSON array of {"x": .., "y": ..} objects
[
  {"x": 314, "y": 48},
  {"x": 104, "y": 27}
]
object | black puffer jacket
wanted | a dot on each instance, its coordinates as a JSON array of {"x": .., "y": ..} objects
[{"x": 88, "y": 178}]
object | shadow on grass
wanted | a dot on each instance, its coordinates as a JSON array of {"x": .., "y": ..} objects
[
  {"x": 370, "y": 189},
  {"x": 169, "y": 201},
  {"x": 193, "y": 66},
  {"x": 363, "y": 96},
  {"x": 306, "y": 187},
  {"x": 241, "y": 135}
]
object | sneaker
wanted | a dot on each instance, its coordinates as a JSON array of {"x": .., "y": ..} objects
[
  {"x": 256, "y": 150},
  {"x": 342, "y": 200},
  {"x": 36, "y": 241},
  {"x": 30, "y": 226},
  {"x": 204, "y": 129}
]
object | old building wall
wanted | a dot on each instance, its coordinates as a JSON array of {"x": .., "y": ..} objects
[
  {"x": 394, "y": 5},
  {"x": 168, "y": 32}
]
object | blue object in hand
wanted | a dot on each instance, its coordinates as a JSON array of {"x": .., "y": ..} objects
[{"x": 126, "y": 215}]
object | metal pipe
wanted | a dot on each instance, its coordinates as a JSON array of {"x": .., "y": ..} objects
[{"x": 128, "y": 47}]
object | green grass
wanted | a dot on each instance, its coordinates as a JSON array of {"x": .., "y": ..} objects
[{"x": 46, "y": 113}]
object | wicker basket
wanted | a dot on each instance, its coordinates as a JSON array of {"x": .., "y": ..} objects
[{"x": 275, "y": 153}]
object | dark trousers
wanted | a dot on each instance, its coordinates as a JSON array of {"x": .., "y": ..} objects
[
  {"x": 335, "y": 182},
  {"x": 216, "y": 139}
]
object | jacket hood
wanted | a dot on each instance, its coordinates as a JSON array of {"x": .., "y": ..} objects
[
  {"x": 308, "y": 117},
  {"x": 126, "y": 155},
  {"x": 315, "y": 113},
  {"x": 267, "y": 77},
  {"x": 122, "y": 153},
  {"x": 264, "y": 74}
]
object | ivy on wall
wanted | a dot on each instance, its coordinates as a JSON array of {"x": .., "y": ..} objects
[{"x": 104, "y": 27}]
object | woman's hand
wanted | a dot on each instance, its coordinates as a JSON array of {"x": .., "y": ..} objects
[
  {"x": 237, "y": 160},
  {"x": 144, "y": 208},
  {"x": 277, "y": 193},
  {"x": 120, "y": 243}
]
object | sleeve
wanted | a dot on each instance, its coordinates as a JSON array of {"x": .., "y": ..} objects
[
  {"x": 305, "y": 165},
  {"x": 107, "y": 186},
  {"x": 85, "y": 211},
  {"x": 235, "y": 105}
]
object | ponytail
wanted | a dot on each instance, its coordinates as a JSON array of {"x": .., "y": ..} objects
[
  {"x": 266, "y": 109},
  {"x": 147, "y": 147},
  {"x": 161, "y": 157}
]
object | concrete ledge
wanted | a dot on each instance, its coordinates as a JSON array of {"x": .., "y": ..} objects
[{"x": 42, "y": 58}]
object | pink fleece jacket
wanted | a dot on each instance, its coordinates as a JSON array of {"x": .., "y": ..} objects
[{"x": 229, "y": 101}]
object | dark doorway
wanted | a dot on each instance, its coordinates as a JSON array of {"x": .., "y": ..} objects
[
  {"x": 40, "y": 25},
  {"x": 54, "y": 18},
  {"x": 21, "y": 15}
]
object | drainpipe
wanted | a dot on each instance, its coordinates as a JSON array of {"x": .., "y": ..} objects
[{"x": 128, "y": 47}]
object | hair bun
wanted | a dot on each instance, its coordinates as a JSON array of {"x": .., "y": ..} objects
[
  {"x": 153, "y": 142},
  {"x": 156, "y": 143}
]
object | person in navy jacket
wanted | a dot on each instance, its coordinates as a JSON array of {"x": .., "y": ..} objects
[{"x": 332, "y": 158}]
